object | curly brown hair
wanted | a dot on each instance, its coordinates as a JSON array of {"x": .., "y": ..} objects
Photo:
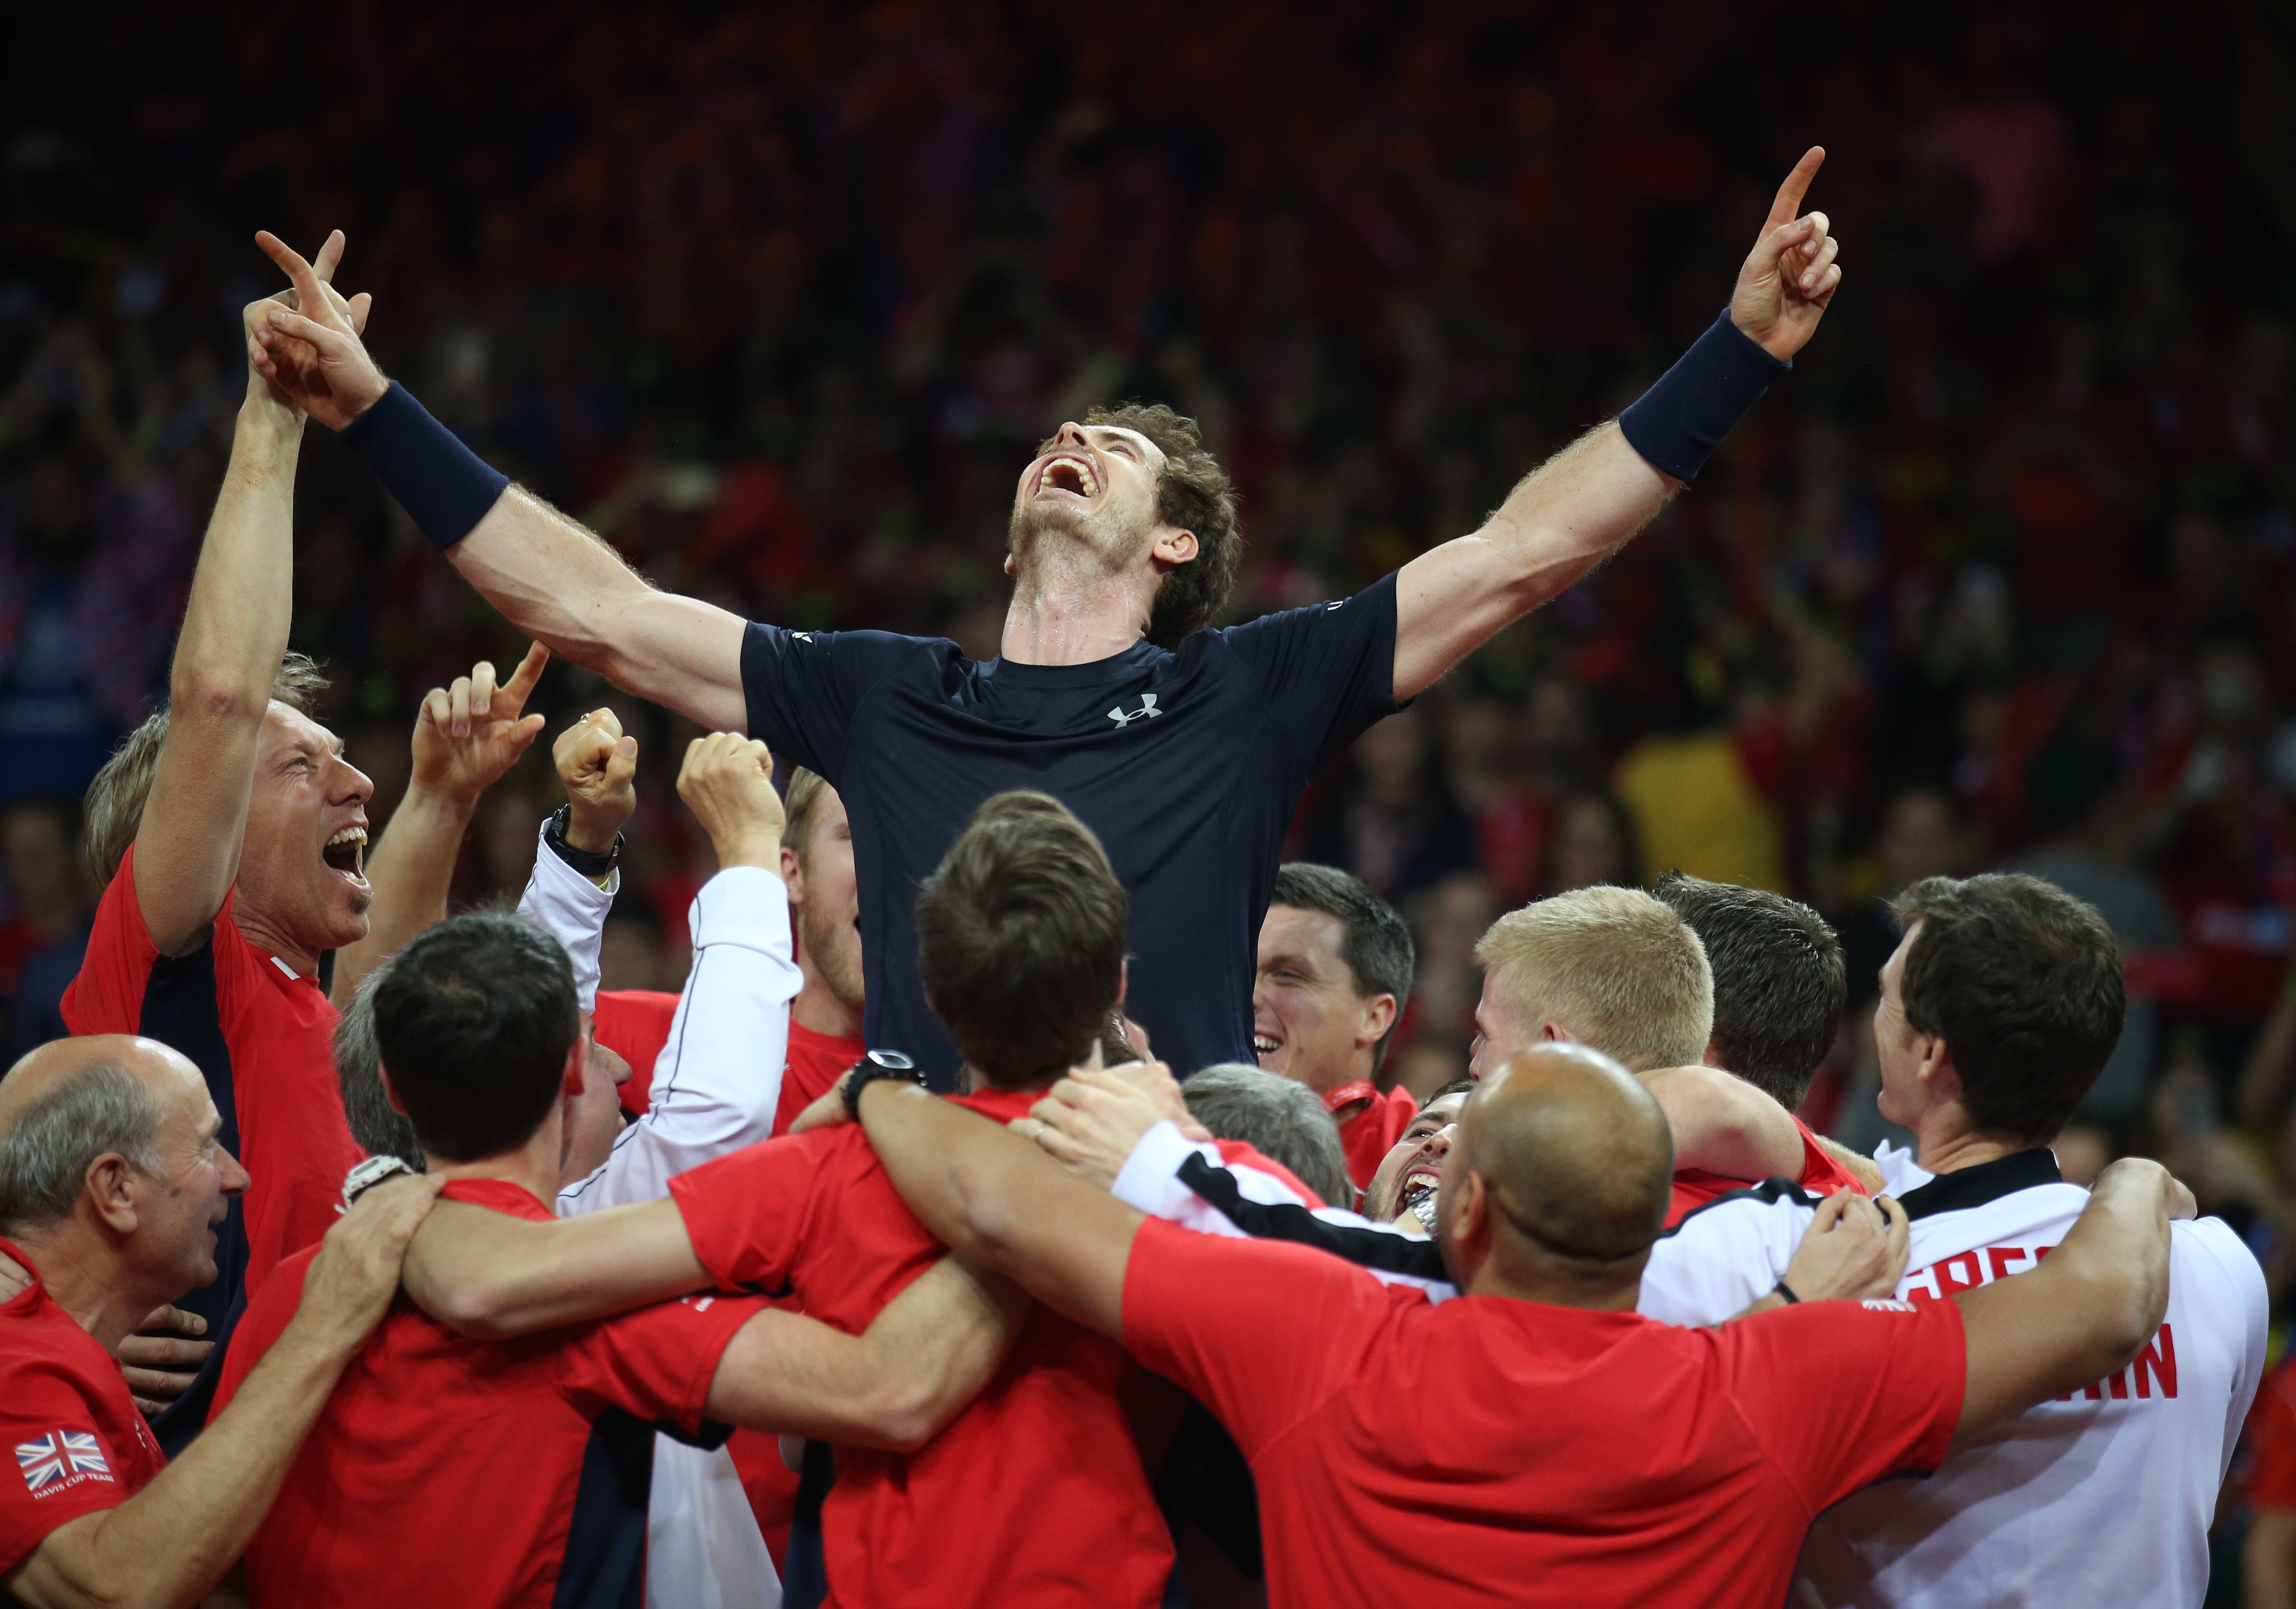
[{"x": 1192, "y": 494}]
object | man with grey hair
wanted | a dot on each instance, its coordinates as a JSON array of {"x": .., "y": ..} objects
[
  {"x": 112, "y": 1178},
  {"x": 1279, "y": 1117}
]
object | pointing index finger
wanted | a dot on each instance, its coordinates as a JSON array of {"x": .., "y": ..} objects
[
  {"x": 1797, "y": 185},
  {"x": 310, "y": 298}
]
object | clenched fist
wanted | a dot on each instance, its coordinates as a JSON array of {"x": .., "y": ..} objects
[
  {"x": 599, "y": 766},
  {"x": 727, "y": 782}
]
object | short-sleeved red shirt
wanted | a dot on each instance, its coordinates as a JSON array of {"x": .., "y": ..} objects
[
  {"x": 1035, "y": 1493},
  {"x": 511, "y": 1475},
  {"x": 64, "y": 1406},
  {"x": 1821, "y": 1176},
  {"x": 1369, "y": 1132},
  {"x": 815, "y": 1062},
  {"x": 262, "y": 1035},
  {"x": 634, "y": 1024},
  {"x": 1486, "y": 1450}
]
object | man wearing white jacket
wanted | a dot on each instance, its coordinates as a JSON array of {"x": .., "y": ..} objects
[{"x": 715, "y": 1089}]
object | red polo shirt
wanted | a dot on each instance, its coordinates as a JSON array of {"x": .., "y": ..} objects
[
  {"x": 1034, "y": 1495},
  {"x": 1370, "y": 1123},
  {"x": 1489, "y": 1451},
  {"x": 815, "y": 1062},
  {"x": 64, "y": 1406},
  {"x": 513, "y": 1475},
  {"x": 1821, "y": 1176},
  {"x": 262, "y": 1035},
  {"x": 634, "y": 1024}
]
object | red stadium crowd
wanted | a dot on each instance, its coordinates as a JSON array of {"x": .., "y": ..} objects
[{"x": 1384, "y": 1192}]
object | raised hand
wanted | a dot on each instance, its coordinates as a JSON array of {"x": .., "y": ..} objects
[
  {"x": 310, "y": 352},
  {"x": 470, "y": 733},
  {"x": 599, "y": 767},
  {"x": 1792, "y": 274},
  {"x": 285, "y": 373},
  {"x": 727, "y": 782}
]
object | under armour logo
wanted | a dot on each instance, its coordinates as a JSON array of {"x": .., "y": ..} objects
[{"x": 1147, "y": 707}]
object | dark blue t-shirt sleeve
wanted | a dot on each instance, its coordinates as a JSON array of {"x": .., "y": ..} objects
[
  {"x": 1328, "y": 669},
  {"x": 803, "y": 687}
]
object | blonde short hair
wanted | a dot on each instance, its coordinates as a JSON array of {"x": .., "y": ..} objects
[
  {"x": 797, "y": 800},
  {"x": 1614, "y": 968}
]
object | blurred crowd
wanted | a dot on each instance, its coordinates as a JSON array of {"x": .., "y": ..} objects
[{"x": 779, "y": 299}]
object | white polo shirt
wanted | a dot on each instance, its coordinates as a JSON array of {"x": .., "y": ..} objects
[{"x": 2104, "y": 1497}]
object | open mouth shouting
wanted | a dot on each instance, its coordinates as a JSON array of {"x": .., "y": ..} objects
[
  {"x": 345, "y": 854},
  {"x": 1073, "y": 474},
  {"x": 1415, "y": 1192}
]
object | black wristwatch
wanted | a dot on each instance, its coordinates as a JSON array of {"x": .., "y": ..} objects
[
  {"x": 588, "y": 862},
  {"x": 873, "y": 1066}
]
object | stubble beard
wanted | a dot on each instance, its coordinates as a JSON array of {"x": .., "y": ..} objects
[{"x": 825, "y": 943}]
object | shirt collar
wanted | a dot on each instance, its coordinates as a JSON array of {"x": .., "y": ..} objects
[
  {"x": 1966, "y": 1188},
  {"x": 1348, "y": 1095}
]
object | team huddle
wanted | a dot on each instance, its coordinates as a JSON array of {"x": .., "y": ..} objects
[{"x": 1008, "y": 1209}]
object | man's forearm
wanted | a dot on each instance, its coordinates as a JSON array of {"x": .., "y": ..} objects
[
  {"x": 236, "y": 619},
  {"x": 1725, "y": 1126},
  {"x": 564, "y": 586},
  {"x": 1002, "y": 1204},
  {"x": 227, "y": 658},
  {"x": 486, "y": 1274},
  {"x": 1561, "y": 521},
  {"x": 174, "y": 1539},
  {"x": 411, "y": 869},
  {"x": 922, "y": 1360}
]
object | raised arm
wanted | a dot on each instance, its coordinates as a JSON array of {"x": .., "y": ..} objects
[
  {"x": 999, "y": 1202},
  {"x": 894, "y": 1386},
  {"x": 2086, "y": 1310},
  {"x": 557, "y": 581},
  {"x": 719, "y": 1081},
  {"x": 1580, "y": 507},
  {"x": 465, "y": 738},
  {"x": 597, "y": 763},
  {"x": 234, "y": 632},
  {"x": 171, "y": 1543}
]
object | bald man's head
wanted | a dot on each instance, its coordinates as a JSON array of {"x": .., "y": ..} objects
[
  {"x": 116, "y": 1134},
  {"x": 1575, "y": 1159},
  {"x": 162, "y": 1070}
]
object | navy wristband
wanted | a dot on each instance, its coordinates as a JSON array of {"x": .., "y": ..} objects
[
  {"x": 445, "y": 488},
  {"x": 1677, "y": 422}
]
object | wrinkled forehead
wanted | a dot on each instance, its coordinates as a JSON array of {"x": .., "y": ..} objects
[{"x": 287, "y": 730}]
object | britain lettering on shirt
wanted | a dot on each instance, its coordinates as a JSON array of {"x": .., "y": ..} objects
[
  {"x": 60, "y": 1460},
  {"x": 2150, "y": 1377}
]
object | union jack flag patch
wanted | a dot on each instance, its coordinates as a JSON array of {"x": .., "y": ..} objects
[{"x": 47, "y": 1462}]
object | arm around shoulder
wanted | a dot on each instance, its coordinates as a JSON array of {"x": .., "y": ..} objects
[{"x": 2086, "y": 1310}]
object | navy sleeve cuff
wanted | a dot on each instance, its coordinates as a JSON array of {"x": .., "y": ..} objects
[
  {"x": 445, "y": 488},
  {"x": 1682, "y": 418}
]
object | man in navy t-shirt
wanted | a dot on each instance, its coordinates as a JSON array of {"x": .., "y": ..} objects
[{"x": 1182, "y": 748}]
